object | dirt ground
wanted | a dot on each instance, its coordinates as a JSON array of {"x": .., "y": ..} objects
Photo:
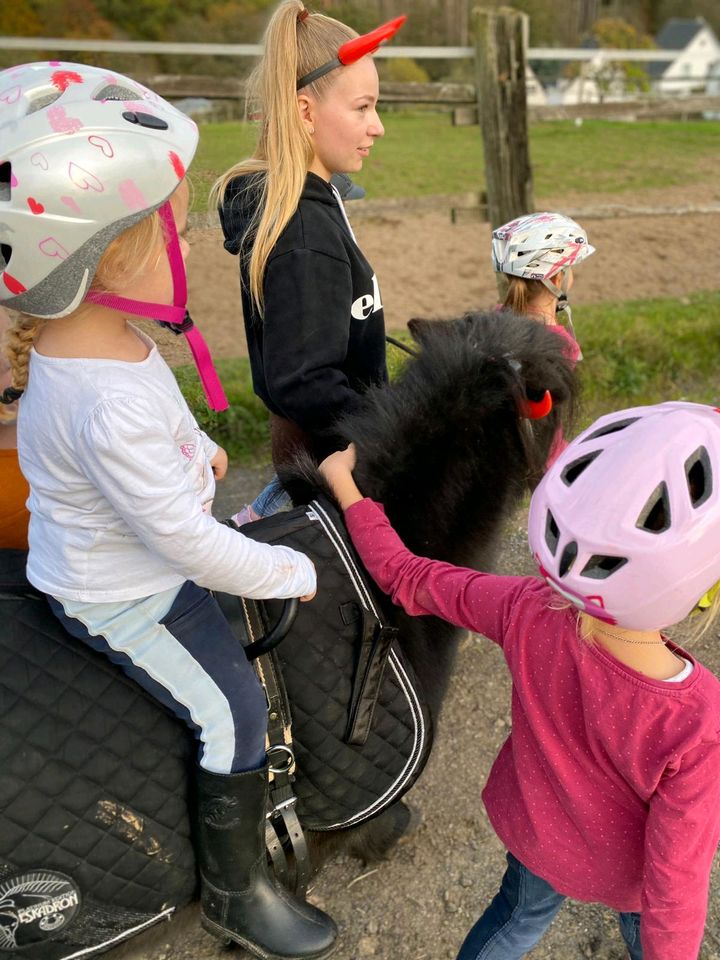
[
  {"x": 429, "y": 267},
  {"x": 419, "y": 904}
]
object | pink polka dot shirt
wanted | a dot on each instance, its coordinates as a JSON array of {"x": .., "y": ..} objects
[{"x": 608, "y": 785}]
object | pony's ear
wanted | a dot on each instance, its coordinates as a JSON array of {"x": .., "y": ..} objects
[{"x": 422, "y": 329}]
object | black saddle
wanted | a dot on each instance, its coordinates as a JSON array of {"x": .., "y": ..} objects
[{"x": 95, "y": 839}]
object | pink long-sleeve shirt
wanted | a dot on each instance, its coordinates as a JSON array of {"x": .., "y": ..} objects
[{"x": 608, "y": 786}]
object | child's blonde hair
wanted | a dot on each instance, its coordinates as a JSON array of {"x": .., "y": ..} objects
[
  {"x": 701, "y": 619},
  {"x": 8, "y": 414},
  {"x": 125, "y": 257},
  {"x": 292, "y": 48},
  {"x": 520, "y": 292},
  {"x": 707, "y": 616}
]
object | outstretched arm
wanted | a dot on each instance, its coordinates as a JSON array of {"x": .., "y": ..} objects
[
  {"x": 681, "y": 837},
  {"x": 476, "y": 601}
]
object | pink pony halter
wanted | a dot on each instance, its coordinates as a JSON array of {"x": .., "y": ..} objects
[{"x": 176, "y": 314}]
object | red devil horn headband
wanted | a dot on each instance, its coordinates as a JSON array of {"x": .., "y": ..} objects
[{"x": 353, "y": 50}]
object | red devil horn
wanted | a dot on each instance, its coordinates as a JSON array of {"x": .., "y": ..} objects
[
  {"x": 369, "y": 42},
  {"x": 537, "y": 409}
]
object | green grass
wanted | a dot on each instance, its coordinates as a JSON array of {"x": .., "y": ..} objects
[
  {"x": 422, "y": 154},
  {"x": 650, "y": 350},
  {"x": 636, "y": 352}
]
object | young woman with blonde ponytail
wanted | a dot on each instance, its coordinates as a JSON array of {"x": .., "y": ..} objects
[{"x": 311, "y": 302}]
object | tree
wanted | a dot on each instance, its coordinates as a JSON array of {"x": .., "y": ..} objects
[
  {"x": 616, "y": 34},
  {"x": 73, "y": 18},
  {"x": 19, "y": 19},
  {"x": 613, "y": 33}
]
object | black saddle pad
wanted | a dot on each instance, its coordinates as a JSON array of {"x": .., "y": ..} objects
[
  {"x": 94, "y": 828},
  {"x": 359, "y": 721}
]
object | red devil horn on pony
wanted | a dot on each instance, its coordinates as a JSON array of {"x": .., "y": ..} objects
[
  {"x": 536, "y": 409},
  {"x": 354, "y": 50}
]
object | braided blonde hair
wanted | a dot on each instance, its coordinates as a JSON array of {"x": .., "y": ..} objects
[
  {"x": 19, "y": 338},
  {"x": 125, "y": 257}
]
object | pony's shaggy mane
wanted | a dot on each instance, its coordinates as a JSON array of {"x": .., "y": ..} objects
[{"x": 443, "y": 446}]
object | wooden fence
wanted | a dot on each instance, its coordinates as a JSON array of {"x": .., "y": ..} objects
[
  {"x": 460, "y": 98},
  {"x": 463, "y": 99}
]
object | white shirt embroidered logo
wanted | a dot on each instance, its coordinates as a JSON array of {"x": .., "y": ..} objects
[{"x": 369, "y": 303}]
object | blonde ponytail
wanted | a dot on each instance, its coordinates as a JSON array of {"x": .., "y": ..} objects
[
  {"x": 707, "y": 612},
  {"x": 293, "y": 47},
  {"x": 520, "y": 292}
]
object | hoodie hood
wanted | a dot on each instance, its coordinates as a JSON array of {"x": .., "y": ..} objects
[{"x": 242, "y": 199}]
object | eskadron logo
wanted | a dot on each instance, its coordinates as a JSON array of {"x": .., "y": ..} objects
[{"x": 34, "y": 906}]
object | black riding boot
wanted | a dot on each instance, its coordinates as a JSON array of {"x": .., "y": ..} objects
[{"x": 239, "y": 899}]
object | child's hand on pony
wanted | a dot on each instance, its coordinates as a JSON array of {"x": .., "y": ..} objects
[
  {"x": 308, "y": 596},
  {"x": 337, "y": 471}
]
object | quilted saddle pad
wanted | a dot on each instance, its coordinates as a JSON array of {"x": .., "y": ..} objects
[{"x": 94, "y": 828}]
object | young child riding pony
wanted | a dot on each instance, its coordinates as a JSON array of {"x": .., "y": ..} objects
[
  {"x": 93, "y": 214},
  {"x": 538, "y": 252},
  {"x": 608, "y": 787}
]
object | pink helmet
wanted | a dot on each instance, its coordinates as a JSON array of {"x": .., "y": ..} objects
[{"x": 626, "y": 522}]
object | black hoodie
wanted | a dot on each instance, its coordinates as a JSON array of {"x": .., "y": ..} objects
[{"x": 321, "y": 340}]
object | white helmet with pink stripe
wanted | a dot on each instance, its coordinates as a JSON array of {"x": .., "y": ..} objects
[
  {"x": 626, "y": 522},
  {"x": 539, "y": 245}
]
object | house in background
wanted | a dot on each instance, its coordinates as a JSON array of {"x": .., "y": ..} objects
[
  {"x": 598, "y": 81},
  {"x": 698, "y": 53},
  {"x": 536, "y": 96}
]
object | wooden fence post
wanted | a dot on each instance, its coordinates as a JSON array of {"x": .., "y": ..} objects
[{"x": 501, "y": 41}]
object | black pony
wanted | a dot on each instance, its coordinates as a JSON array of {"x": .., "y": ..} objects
[
  {"x": 449, "y": 449},
  {"x": 93, "y": 797}
]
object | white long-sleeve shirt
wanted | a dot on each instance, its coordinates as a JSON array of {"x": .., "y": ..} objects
[{"x": 121, "y": 487}]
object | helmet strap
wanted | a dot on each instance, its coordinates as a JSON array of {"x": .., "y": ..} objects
[
  {"x": 175, "y": 314},
  {"x": 560, "y": 293}
]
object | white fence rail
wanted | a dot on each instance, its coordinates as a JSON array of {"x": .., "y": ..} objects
[{"x": 64, "y": 44}]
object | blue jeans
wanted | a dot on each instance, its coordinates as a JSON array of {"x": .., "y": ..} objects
[
  {"x": 271, "y": 499},
  {"x": 521, "y": 912}
]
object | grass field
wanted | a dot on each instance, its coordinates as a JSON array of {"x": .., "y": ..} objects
[
  {"x": 635, "y": 353},
  {"x": 423, "y": 155}
]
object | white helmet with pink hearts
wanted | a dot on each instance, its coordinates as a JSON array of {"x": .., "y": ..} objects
[{"x": 84, "y": 154}]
